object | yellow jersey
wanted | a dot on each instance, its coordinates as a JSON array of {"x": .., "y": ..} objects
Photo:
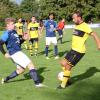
[
  {"x": 80, "y": 35},
  {"x": 33, "y": 29},
  {"x": 19, "y": 28}
]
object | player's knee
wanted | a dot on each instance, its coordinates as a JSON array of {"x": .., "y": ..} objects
[
  {"x": 65, "y": 64},
  {"x": 20, "y": 70},
  {"x": 30, "y": 66}
]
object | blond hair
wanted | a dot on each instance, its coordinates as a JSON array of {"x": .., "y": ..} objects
[{"x": 8, "y": 20}]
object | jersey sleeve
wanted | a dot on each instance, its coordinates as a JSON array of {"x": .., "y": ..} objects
[
  {"x": 55, "y": 25},
  {"x": 4, "y": 36},
  {"x": 88, "y": 29},
  {"x": 46, "y": 23},
  {"x": 28, "y": 26}
]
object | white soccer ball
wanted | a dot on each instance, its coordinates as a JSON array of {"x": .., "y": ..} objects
[{"x": 60, "y": 76}]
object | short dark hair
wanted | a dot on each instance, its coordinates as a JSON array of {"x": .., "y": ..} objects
[
  {"x": 34, "y": 16},
  {"x": 51, "y": 14},
  {"x": 78, "y": 13}
]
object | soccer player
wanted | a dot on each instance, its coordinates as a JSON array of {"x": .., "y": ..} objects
[
  {"x": 60, "y": 28},
  {"x": 19, "y": 26},
  {"x": 12, "y": 42},
  {"x": 51, "y": 26},
  {"x": 34, "y": 32},
  {"x": 81, "y": 33}
]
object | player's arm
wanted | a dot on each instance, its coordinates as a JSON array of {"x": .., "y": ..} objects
[
  {"x": 28, "y": 31},
  {"x": 3, "y": 39},
  {"x": 2, "y": 48},
  {"x": 96, "y": 38}
]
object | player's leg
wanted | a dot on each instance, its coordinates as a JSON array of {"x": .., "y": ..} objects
[
  {"x": 34, "y": 75},
  {"x": 60, "y": 35},
  {"x": 30, "y": 47},
  {"x": 36, "y": 46},
  {"x": 14, "y": 74},
  {"x": 70, "y": 60},
  {"x": 66, "y": 69},
  {"x": 54, "y": 41},
  {"x": 47, "y": 46},
  {"x": 25, "y": 45}
]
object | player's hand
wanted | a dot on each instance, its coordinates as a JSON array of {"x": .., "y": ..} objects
[
  {"x": 7, "y": 55},
  {"x": 98, "y": 47},
  {"x": 25, "y": 36}
]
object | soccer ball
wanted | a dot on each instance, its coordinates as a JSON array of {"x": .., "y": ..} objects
[{"x": 60, "y": 76}]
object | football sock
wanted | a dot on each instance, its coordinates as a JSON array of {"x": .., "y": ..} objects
[
  {"x": 30, "y": 49},
  {"x": 25, "y": 44},
  {"x": 36, "y": 45},
  {"x": 46, "y": 51},
  {"x": 56, "y": 50},
  {"x": 13, "y": 75},
  {"x": 34, "y": 76},
  {"x": 65, "y": 78},
  {"x": 36, "y": 50}
]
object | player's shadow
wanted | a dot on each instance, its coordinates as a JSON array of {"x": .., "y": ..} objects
[
  {"x": 66, "y": 41},
  {"x": 27, "y": 75},
  {"x": 39, "y": 71},
  {"x": 63, "y": 42},
  {"x": 63, "y": 53},
  {"x": 43, "y": 52},
  {"x": 89, "y": 73}
]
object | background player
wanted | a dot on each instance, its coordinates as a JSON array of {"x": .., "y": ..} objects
[
  {"x": 60, "y": 28},
  {"x": 51, "y": 26},
  {"x": 34, "y": 32}
]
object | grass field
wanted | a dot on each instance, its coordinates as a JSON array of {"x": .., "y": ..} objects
[{"x": 85, "y": 75}]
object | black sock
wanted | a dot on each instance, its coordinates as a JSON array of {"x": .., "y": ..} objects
[
  {"x": 13, "y": 75},
  {"x": 34, "y": 76},
  {"x": 56, "y": 50},
  {"x": 60, "y": 40},
  {"x": 46, "y": 51}
]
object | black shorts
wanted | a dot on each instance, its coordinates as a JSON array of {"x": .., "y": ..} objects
[
  {"x": 60, "y": 32},
  {"x": 32, "y": 40},
  {"x": 73, "y": 57}
]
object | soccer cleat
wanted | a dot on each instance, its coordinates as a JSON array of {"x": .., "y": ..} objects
[
  {"x": 35, "y": 54},
  {"x": 31, "y": 54},
  {"x": 47, "y": 58},
  {"x": 56, "y": 57},
  {"x": 60, "y": 87},
  {"x": 3, "y": 81},
  {"x": 40, "y": 85}
]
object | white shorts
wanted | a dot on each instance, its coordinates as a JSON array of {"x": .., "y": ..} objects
[
  {"x": 20, "y": 59},
  {"x": 50, "y": 40}
]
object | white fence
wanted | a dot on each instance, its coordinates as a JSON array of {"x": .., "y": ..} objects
[{"x": 91, "y": 25}]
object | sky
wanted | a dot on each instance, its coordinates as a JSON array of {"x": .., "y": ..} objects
[{"x": 17, "y": 1}]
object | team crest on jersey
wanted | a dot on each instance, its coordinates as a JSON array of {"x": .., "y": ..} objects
[{"x": 16, "y": 35}]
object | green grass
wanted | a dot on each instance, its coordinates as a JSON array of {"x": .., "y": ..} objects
[{"x": 85, "y": 75}]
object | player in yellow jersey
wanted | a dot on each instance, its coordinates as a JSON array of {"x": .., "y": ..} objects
[
  {"x": 19, "y": 26},
  {"x": 34, "y": 32},
  {"x": 81, "y": 33}
]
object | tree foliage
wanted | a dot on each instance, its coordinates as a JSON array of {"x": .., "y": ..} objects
[{"x": 41, "y": 8}]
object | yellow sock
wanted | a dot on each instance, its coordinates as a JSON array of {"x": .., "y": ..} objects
[
  {"x": 36, "y": 50},
  {"x": 30, "y": 49},
  {"x": 25, "y": 44},
  {"x": 65, "y": 78},
  {"x": 36, "y": 45}
]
